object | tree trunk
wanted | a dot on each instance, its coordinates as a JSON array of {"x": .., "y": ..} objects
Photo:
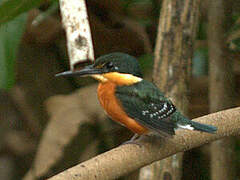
[
  {"x": 174, "y": 48},
  {"x": 221, "y": 91}
]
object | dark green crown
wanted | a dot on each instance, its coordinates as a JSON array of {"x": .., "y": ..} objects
[{"x": 118, "y": 62}]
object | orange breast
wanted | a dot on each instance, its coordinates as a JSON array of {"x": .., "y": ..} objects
[{"x": 113, "y": 108}]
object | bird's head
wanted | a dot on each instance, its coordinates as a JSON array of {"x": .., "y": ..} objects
[{"x": 119, "y": 68}]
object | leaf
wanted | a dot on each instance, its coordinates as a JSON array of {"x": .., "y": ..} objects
[
  {"x": 10, "y": 35},
  {"x": 10, "y": 9},
  {"x": 200, "y": 62},
  {"x": 233, "y": 35},
  {"x": 235, "y": 44},
  {"x": 146, "y": 63}
]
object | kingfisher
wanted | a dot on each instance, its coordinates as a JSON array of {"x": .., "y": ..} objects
[{"x": 132, "y": 101}]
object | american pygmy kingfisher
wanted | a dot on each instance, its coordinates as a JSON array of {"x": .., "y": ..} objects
[{"x": 132, "y": 101}]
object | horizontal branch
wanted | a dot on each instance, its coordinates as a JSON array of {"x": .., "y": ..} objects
[{"x": 127, "y": 158}]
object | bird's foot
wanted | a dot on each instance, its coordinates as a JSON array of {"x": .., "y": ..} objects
[{"x": 133, "y": 140}]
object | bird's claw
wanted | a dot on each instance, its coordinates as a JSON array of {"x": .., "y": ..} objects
[{"x": 133, "y": 140}]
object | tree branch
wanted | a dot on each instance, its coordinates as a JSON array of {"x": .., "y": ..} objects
[
  {"x": 79, "y": 40},
  {"x": 221, "y": 84},
  {"x": 127, "y": 158},
  {"x": 172, "y": 70}
]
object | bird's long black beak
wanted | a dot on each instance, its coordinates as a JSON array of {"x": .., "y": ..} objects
[{"x": 88, "y": 70}]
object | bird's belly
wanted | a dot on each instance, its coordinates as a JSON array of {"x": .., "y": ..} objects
[{"x": 113, "y": 108}]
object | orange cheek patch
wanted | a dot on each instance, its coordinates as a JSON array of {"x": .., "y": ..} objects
[{"x": 121, "y": 78}]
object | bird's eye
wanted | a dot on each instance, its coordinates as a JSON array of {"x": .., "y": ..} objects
[{"x": 109, "y": 65}]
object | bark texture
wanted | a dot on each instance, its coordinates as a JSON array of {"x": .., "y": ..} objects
[
  {"x": 79, "y": 39},
  {"x": 127, "y": 158},
  {"x": 221, "y": 93},
  {"x": 172, "y": 69}
]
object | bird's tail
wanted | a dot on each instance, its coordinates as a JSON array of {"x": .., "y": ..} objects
[
  {"x": 203, "y": 127},
  {"x": 185, "y": 123}
]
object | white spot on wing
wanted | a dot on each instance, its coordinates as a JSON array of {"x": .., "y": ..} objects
[{"x": 165, "y": 106}]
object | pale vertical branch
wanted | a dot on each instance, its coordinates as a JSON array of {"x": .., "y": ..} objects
[
  {"x": 76, "y": 24},
  {"x": 221, "y": 93},
  {"x": 80, "y": 49},
  {"x": 173, "y": 53}
]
